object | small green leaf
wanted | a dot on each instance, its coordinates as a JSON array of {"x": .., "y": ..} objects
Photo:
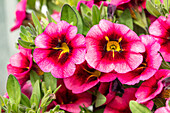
[
  {"x": 3, "y": 101},
  {"x": 138, "y": 108},
  {"x": 100, "y": 100},
  {"x": 34, "y": 77},
  {"x": 80, "y": 21},
  {"x": 14, "y": 90},
  {"x": 9, "y": 108},
  {"x": 25, "y": 44},
  {"x": 31, "y": 4},
  {"x": 53, "y": 6},
  {"x": 151, "y": 9},
  {"x": 50, "y": 19},
  {"x": 37, "y": 23},
  {"x": 126, "y": 19},
  {"x": 86, "y": 15},
  {"x": 69, "y": 15},
  {"x": 25, "y": 101},
  {"x": 36, "y": 95},
  {"x": 95, "y": 15},
  {"x": 34, "y": 102},
  {"x": 50, "y": 81}
]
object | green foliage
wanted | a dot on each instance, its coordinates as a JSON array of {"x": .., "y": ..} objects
[
  {"x": 95, "y": 15},
  {"x": 80, "y": 21},
  {"x": 100, "y": 99},
  {"x": 25, "y": 100},
  {"x": 36, "y": 95},
  {"x": 37, "y": 23},
  {"x": 33, "y": 77},
  {"x": 69, "y": 15},
  {"x": 50, "y": 81},
  {"x": 31, "y": 4},
  {"x": 14, "y": 91},
  {"x": 126, "y": 19},
  {"x": 135, "y": 107}
]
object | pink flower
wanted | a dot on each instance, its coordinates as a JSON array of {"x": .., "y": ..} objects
[
  {"x": 83, "y": 79},
  {"x": 20, "y": 14},
  {"x": 151, "y": 62},
  {"x": 150, "y": 88},
  {"x": 165, "y": 109},
  {"x": 56, "y": 16},
  {"x": 113, "y": 46},
  {"x": 88, "y": 3},
  {"x": 117, "y": 2},
  {"x": 121, "y": 104},
  {"x": 69, "y": 101},
  {"x": 20, "y": 65},
  {"x": 59, "y": 49},
  {"x": 160, "y": 29}
]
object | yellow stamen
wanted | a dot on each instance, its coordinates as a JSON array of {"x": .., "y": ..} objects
[
  {"x": 28, "y": 67},
  {"x": 107, "y": 38},
  {"x": 143, "y": 65},
  {"x": 113, "y": 45},
  {"x": 96, "y": 73},
  {"x": 64, "y": 48}
]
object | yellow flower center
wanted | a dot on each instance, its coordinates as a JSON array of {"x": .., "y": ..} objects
[
  {"x": 96, "y": 73},
  {"x": 113, "y": 45},
  {"x": 64, "y": 48},
  {"x": 142, "y": 66}
]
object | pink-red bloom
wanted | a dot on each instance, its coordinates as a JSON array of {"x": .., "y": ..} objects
[
  {"x": 113, "y": 46},
  {"x": 20, "y": 65},
  {"x": 151, "y": 62},
  {"x": 20, "y": 14},
  {"x": 160, "y": 29},
  {"x": 165, "y": 109},
  {"x": 120, "y": 104},
  {"x": 86, "y": 77},
  {"x": 70, "y": 102},
  {"x": 59, "y": 49},
  {"x": 150, "y": 88}
]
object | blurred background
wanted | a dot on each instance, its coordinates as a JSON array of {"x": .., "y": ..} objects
[{"x": 7, "y": 39}]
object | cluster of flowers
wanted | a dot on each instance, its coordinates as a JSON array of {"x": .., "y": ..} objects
[{"x": 108, "y": 59}]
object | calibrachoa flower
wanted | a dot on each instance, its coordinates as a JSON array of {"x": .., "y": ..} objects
[
  {"x": 86, "y": 77},
  {"x": 20, "y": 65},
  {"x": 165, "y": 109},
  {"x": 150, "y": 88},
  {"x": 113, "y": 46},
  {"x": 20, "y": 14},
  {"x": 151, "y": 62},
  {"x": 59, "y": 49},
  {"x": 121, "y": 104},
  {"x": 69, "y": 101},
  {"x": 160, "y": 29}
]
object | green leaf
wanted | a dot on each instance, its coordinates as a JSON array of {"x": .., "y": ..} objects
[
  {"x": 151, "y": 9},
  {"x": 34, "y": 77},
  {"x": 86, "y": 15},
  {"x": 31, "y": 4},
  {"x": 69, "y": 15},
  {"x": 13, "y": 90},
  {"x": 36, "y": 95},
  {"x": 100, "y": 100},
  {"x": 50, "y": 19},
  {"x": 25, "y": 44},
  {"x": 138, "y": 108},
  {"x": 50, "y": 81},
  {"x": 95, "y": 15},
  {"x": 25, "y": 101},
  {"x": 9, "y": 108},
  {"x": 3, "y": 101},
  {"x": 126, "y": 19},
  {"x": 37, "y": 23},
  {"x": 53, "y": 6},
  {"x": 80, "y": 21}
]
